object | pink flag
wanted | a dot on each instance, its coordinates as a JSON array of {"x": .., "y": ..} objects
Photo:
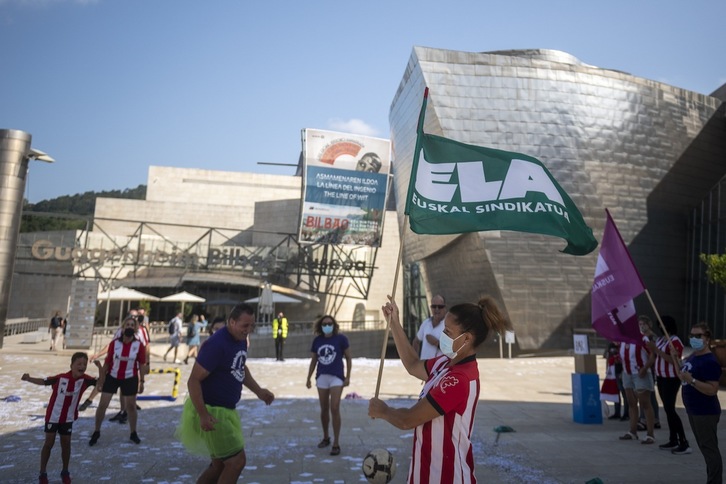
[{"x": 616, "y": 284}]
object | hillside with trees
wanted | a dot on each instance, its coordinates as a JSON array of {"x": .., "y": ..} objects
[{"x": 70, "y": 212}]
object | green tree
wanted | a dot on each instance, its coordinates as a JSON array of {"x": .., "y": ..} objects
[
  {"x": 70, "y": 212},
  {"x": 715, "y": 268}
]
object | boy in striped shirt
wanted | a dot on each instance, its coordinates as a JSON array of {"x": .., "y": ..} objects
[{"x": 62, "y": 409}]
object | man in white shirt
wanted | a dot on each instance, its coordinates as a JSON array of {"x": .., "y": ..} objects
[{"x": 427, "y": 338}]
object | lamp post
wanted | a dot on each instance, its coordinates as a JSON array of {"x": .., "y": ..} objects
[{"x": 15, "y": 153}]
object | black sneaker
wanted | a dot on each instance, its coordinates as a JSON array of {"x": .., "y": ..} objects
[
  {"x": 116, "y": 417},
  {"x": 668, "y": 446},
  {"x": 135, "y": 438},
  {"x": 82, "y": 407},
  {"x": 123, "y": 418},
  {"x": 94, "y": 438},
  {"x": 682, "y": 449}
]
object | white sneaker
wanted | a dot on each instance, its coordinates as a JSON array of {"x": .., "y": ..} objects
[{"x": 176, "y": 362}]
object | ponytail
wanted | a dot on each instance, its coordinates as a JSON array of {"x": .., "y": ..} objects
[{"x": 480, "y": 318}]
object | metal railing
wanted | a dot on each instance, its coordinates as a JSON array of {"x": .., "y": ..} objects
[
  {"x": 306, "y": 327},
  {"x": 24, "y": 325}
]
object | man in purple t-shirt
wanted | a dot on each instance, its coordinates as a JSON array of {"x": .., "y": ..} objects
[{"x": 210, "y": 424}]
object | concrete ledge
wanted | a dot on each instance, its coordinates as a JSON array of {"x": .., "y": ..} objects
[{"x": 33, "y": 337}]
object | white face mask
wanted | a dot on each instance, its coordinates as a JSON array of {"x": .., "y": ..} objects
[{"x": 446, "y": 345}]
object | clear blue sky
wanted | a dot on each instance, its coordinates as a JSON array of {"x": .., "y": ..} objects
[{"x": 110, "y": 87}]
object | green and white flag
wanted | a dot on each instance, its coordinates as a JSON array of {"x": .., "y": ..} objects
[{"x": 457, "y": 188}]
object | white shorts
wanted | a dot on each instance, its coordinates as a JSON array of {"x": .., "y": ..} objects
[{"x": 328, "y": 381}]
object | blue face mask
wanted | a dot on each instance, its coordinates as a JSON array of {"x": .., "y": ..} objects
[
  {"x": 697, "y": 343},
  {"x": 446, "y": 345},
  {"x": 327, "y": 329}
]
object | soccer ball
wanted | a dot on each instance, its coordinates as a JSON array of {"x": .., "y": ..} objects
[{"x": 379, "y": 466}]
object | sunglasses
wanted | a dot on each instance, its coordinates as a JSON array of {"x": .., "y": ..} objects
[
  {"x": 699, "y": 335},
  {"x": 438, "y": 306}
]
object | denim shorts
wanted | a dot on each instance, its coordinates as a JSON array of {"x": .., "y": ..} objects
[{"x": 639, "y": 383}]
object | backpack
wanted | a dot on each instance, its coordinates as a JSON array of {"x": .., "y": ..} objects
[
  {"x": 191, "y": 330},
  {"x": 55, "y": 322},
  {"x": 172, "y": 327}
]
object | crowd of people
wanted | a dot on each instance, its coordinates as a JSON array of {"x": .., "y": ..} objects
[
  {"x": 656, "y": 361},
  {"x": 443, "y": 355}
]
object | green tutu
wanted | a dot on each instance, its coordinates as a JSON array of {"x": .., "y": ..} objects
[{"x": 224, "y": 441}]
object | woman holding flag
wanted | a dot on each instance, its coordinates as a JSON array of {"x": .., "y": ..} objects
[
  {"x": 668, "y": 349},
  {"x": 443, "y": 417}
]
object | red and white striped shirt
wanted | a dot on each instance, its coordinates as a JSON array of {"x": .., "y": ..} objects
[
  {"x": 142, "y": 334},
  {"x": 442, "y": 451},
  {"x": 67, "y": 391},
  {"x": 124, "y": 359},
  {"x": 634, "y": 357},
  {"x": 664, "y": 365}
]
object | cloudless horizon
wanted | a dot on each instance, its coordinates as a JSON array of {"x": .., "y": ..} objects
[{"x": 109, "y": 88}]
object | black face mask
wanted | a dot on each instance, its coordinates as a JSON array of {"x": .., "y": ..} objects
[{"x": 129, "y": 332}]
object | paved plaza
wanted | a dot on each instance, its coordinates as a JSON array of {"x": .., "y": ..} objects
[{"x": 532, "y": 395}]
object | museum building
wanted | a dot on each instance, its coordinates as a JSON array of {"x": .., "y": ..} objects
[
  {"x": 239, "y": 232},
  {"x": 647, "y": 151}
]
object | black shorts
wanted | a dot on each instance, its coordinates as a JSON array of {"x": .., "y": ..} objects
[
  {"x": 129, "y": 386},
  {"x": 61, "y": 428}
]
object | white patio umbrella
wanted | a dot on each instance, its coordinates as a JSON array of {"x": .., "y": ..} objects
[
  {"x": 123, "y": 294},
  {"x": 183, "y": 297}
]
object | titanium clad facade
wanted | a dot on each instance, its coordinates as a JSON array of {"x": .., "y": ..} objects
[{"x": 647, "y": 151}]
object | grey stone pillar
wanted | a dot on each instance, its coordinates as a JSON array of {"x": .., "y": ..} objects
[{"x": 14, "y": 150}]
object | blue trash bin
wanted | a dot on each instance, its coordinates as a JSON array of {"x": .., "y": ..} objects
[{"x": 586, "y": 406}]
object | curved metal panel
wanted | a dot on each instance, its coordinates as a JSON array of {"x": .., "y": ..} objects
[{"x": 14, "y": 147}]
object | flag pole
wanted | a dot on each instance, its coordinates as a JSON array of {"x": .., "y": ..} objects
[
  {"x": 416, "y": 151},
  {"x": 676, "y": 362},
  {"x": 393, "y": 295},
  {"x": 674, "y": 353}
]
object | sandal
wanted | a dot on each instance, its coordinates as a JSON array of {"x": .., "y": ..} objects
[
  {"x": 648, "y": 440},
  {"x": 629, "y": 436},
  {"x": 324, "y": 443},
  {"x": 335, "y": 450}
]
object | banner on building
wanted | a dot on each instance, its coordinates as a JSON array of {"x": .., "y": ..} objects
[{"x": 345, "y": 181}]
